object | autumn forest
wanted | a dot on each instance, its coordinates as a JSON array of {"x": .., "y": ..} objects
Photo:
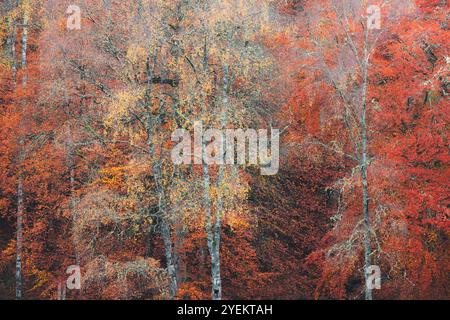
[{"x": 117, "y": 180}]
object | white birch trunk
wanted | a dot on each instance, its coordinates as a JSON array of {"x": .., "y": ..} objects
[
  {"x": 20, "y": 193},
  {"x": 364, "y": 163},
  {"x": 24, "y": 47},
  {"x": 19, "y": 237},
  {"x": 214, "y": 231}
]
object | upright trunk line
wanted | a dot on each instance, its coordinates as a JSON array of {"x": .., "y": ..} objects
[
  {"x": 19, "y": 237},
  {"x": 24, "y": 47},
  {"x": 365, "y": 185},
  {"x": 216, "y": 232},
  {"x": 20, "y": 193},
  {"x": 157, "y": 173},
  {"x": 165, "y": 231},
  {"x": 212, "y": 240}
]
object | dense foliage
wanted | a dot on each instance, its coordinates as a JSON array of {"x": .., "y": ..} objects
[{"x": 86, "y": 118}]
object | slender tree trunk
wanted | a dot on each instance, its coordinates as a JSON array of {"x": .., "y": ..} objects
[
  {"x": 170, "y": 258},
  {"x": 19, "y": 237},
  {"x": 20, "y": 193},
  {"x": 165, "y": 231},
  {"x": 165, "y": 227},
  {"x": 208, "y": 214},
  {"x": 214, "y": 232},
  {"x": 71, "y": 167},
  {"x": 215, "y": 252},
  {"x": 72, "y": 202},
  {"x": 179, "y": 255},
  {"x": 13, "y": 55},
  {"x": 11, "y": 45},
  {"x": 24, "y": 47},
  {"x": 157, "y": 173},
  {"x": 364, "y": 163}
]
